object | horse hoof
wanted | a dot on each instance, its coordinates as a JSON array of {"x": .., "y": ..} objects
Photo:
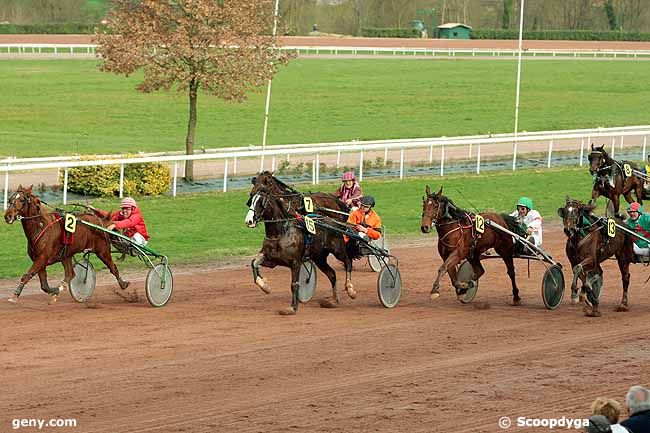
[
  {"x": 53, "y": 298},
  {"x": 349, "y": 287},
  {"x": 622, "y": 308},
  {"x": 13, "y": 298},
  {"x": 287, "y": 312},
  {"x": 328, "y": 303},
  {"x": 63, "y": 287},
  {"x": 261, "y": 283},
  {"x": 593, "y": 313},
  {"x": 516, "y": 302},
  {"x": 434, "y": 296},
  {"x": 574, "y": 301},
  {"x": 124, "y": 285}
]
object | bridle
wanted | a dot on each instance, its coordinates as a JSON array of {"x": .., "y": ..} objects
[{"x": 25, "y": 201}]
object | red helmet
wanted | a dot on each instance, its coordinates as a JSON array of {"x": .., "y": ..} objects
[{"x": 348, "y": 175}]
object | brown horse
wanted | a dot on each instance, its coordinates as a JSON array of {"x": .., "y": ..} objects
[
  {"x": 45, "y": 241},
  {"x": 610, "y": 180},
  {"x": 458, "y": 241},
  {"x": 588, "y": 245},
  {"x": 286, "y": 243},
  {"x": 324, "y": 203}
]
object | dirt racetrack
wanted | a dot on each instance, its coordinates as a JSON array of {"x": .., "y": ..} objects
[{"x": 218, "y": 358}]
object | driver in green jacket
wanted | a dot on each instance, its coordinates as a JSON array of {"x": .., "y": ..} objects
[{"x": 639, "y": 222}]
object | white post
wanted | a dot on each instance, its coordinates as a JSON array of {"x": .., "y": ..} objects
[
  {"x": 268, "y": 89},
  {"x": 582, "y": 150},
  {"x": 225, "y": 175},
  {"x": 622, "y": 141},
  {"x": 262, "y": 163},
  {"x": 361, "y": 166},
  {"x": 313, "y": 172},
  {"x": 550, "y": 152},
  {"x": 521, "y": 32},
  {"x": 234, "y": 165},
  {"x": 338, "y": 158},
  {"x": 470, "y": 150},
  {"x": 288, "y": 157},
  {"x": 431, "y": 153},
  {"x": 401, "y": 163},
  {"x": 442, "y": 159},
  {"x": 385, "y": 155},
  {"x": 478, "y": 158},
  {"x": 273, "y": 164},
  {"x": 175, "y": 179},
  {"x": 318, "y": 169},
  {"x": 121, "y": 180},
  {"x": 613, "y": 146},
  {"x": 6, "y": 202},
  {"x": 65, "y": 186},
  {"x": 645, "y": 140}
]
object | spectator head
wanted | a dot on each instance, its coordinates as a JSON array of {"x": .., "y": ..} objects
[
  {"x": 598, "y": 424},
  {"x": 606, "y": 407},
  {"x": 637, "y": 399}
]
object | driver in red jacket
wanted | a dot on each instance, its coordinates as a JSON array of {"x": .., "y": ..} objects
[{"x": 129, "y": 220}]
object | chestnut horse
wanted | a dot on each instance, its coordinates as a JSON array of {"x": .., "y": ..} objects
[
  {"x": 588, "y": 245},
  {"x": 324, "y": 203},
  {"x": 45, "y": 241},
  {"x": 610, "y": 180},
  {"x": 458, "y": 241},
  {"x": 286, "y": 243}
]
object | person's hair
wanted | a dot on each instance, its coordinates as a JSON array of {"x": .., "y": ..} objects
[
  {"x": 607, "y": 407},
  {"x": 637, "y": 399}
]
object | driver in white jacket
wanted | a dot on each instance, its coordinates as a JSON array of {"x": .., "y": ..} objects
[{"x": 531, "y": 219}]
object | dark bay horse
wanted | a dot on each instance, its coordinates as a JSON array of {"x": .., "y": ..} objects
[
  {"x": 324, "y": 203},
  {"x": 588, "y": 245},
  {"x": 286, "y": 243},
  {"x": 458, "y": 241},
  {"x": 45, "y": 241},
  {"x": 610, "y": 179}
]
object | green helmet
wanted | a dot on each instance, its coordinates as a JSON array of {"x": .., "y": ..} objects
[{"x": 526, "y": 202}]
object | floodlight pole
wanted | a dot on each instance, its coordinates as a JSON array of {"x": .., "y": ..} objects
[
  {"x": 521, "y": 32},
  {"x": 268, "y": 89}
]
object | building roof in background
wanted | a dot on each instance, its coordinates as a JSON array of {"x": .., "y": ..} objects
[{"x": 452, "y": 25}]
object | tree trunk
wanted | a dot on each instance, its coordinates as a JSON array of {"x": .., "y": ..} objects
[{"x": 191, "y": 129}]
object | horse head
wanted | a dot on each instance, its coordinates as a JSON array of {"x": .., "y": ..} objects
[
  {"x": 434, "y": 208},
  {"x": 572, "y": 214},
  {"x": 598, "y": 158},
  {"x": 22, "y": 204},
  {"x": 264, "y": 206}
]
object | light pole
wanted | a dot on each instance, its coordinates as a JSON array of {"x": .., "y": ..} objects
[
  {"x": 268, "y": 89},
  {"x": 521, "y": 32}
]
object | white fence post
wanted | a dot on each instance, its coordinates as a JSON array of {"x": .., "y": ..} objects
[
  {"x": 225, "y": 175},
  {"x": 550, "y": 152},
  {"x": 442, "y": 159},
  {"x": 338, "y": 158},
  {"x": 261, "y": 163},
  {"x": 582, "y": 150},
  {"x": 234, "y": 165},
  {"x": 175, "y": 179},
  {"x": 273, "y": 164},
  {"x": 470, "y": 150},
  {"x": 6, "y": 190},
  {"x": 431, "y": 154},
  {"x": 622, "y": 141},
  {"x": 478, "y": 158},
  {"x": 385, "y": 155},
  {"x": 361, "y": 165},
  {"x": 121, "y": 180},
  {"x": 318, "y": 169},
  {"x": 613, "y": 146},
  {"x": 313, "y": 172},
  {"x": 65, "y": 186},
  {"x": 401, "y": 163},
  {"x": 645, "y": 140}
]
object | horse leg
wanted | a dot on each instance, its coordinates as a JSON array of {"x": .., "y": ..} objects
[
  {"x": 628, "y": 196},
  {"x": 510, "y": 266},
  {"x": 349, "y": 287},
  {"x": 624, "y": 267},
  {"x": 295, "y": 287},
  {"x": 37, "y": 266},
  {"x": 461, "y": 289},
  {"x": 591, "y": 301},
  {"x": 450, "y": 263},
  {"x": 69, "y": 274},
  {"x": 45, "y": 286},
  {"x": 259, "y": 280},
  {"x": 107, "y": 259},
  {"x": 321, "y": 263}
]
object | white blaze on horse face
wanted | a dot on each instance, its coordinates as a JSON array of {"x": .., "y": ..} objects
[{"x": 250, "y": 216}]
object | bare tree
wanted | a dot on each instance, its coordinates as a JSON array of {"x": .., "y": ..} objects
[{"x": 217, "y": 46}]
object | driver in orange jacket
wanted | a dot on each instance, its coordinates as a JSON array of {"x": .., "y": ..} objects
[{"x": 366, "y": 221}]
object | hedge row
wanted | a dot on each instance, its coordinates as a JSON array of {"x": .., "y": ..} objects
[
  {"x": 575, "y": 35},
  {"x": 373, "y": 32},
  {"x": 104, "y": 181},
  {"x": 48, "y": 29}
]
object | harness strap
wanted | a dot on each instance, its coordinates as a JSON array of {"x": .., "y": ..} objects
[{"x": 58, "y": 219}]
